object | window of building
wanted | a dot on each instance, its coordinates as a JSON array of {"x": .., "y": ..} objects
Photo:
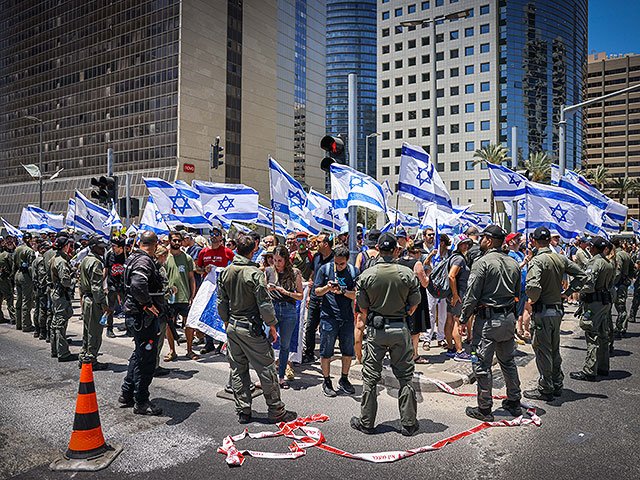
[
  {"x": 468, "y": 32},
  {"x": 439, "y": 92},
  {"x": 439, "y": 56},
  {"x": 412, "y": 114},
  {"x": 440, "y": 166},
  {"x": 411, "y": 132},
  {"x": 439, "y": 74},
  {"x": 485, "y": 143},
  {"x": 469, "y": 184},
  {"x": 425, "y": 113},
  {"x": 425, "y": 77},
  {"x": 454, "y": 72},
  {"x": 411, "y": 79},
  {"x": 411, "y": 43},
  {"x": 454, "y": 128},
  {"x": 484, "y": 9},
  {"x": 440, "y": 111},
  {"x": 468, "y": 51},
  {"x": 385, "y": 118},
  {"x": 398, "y": 154},
  {"x": 398, "y": 81},
  {"x": 453, "y": 91},
  {"x": 385, "y": 66},
  {"x": 453, "y": 53},
  {"x": 398, "y": 29},
  {"x": 485, "y": 86},
  {"x": 425, "y": 41},
  {"x": 470, "y": 13},
  {"x": 485, "y": 184},
  {"x": 411, "y": 61},
  {"x": 485, "y": 67},
  {"x": 468, "y": 70},
  {"x": 454, "y": 109},
  {"x": 426, "y": 95},
  {"x": 485, "y": 125},
  {"x": 385, "y": 100},
  {"x": 398, "y": 12},
  {"x": 469, "y": 146},
  {"x": 469, "y": 108},
  {"x": 385, "y": 135},
  {"x": 425, "y": 5},
  {"x": 425, "y": 59},
  {"x": 454, "y": 185},
  {"x": 468, "y": 88},
  {"x": 398, "y": 134},
  {"x": 398, "y": 116},
  {"x": 439, "y": 37},
  {"x": 468, "y": 165},
  {"x": 440, "y": 129},
  {"x": 411, "y": 97},
  {"x": 385, "y": 83},
  {"x": 398, "y": 46},
  {"x": 426, "y": 131},
  {"x": 411, "y": 9},
  {"x": 484, "y": 48},
  {"x": 453, "y": 35},
  {"x": 454, "y": 147},
  {"x": 385, "y": 49},
  {"x": 385, "y": 32},
  {"x": 484, "y": 28},
  {"x": 485, "y": 106},
  {"x": 385, "y": 15},
  {"x": 385, "y": 154},
  {"x": 469, "y": 127},
  {"x": 398, "y": 63},
  {"x": 398, "y": 99},
  {"x": 455, "y": 166},
  {"x": 385, "y": 170}
]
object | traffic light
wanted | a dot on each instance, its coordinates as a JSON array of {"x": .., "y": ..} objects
[
  {"x": 106, "y": 190},
  {"x": 217, "y": 153},
  {"x": 334, "y": 147},
  {"x": 134, "y": 205}
]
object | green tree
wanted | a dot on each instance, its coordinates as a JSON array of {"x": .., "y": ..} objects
[
  {"x": 495, "y": 154},
  {"x": 598, "y": 177},
  {"x": 620, "y": 186},
  {"x": 538, "y": 166}
]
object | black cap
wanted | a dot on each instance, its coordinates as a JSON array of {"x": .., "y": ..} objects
[
  {"x": 372, "y": 237},
  {"x": 61, "y": 242},
  {"x": 493, "y": 231},
  {"x": 401, "y": 233},
  {"x": 26, "y": 236},
  {"x": 118, "y": 241},
  {"x": 599, "y": 242},
  {"x": 541, "y": 233},
  {"x": 387, "y": 241},
  {"x": 418, "y": 246},
  {"x": 97, "y": 241}
]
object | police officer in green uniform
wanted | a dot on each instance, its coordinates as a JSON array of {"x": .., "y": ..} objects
[
  {"x": 61, "y": 299},
  {"x": 494, "y": 285},
  {"x": 94, "y": 302},
  {"x": 243, "y": 305},
  {"x": 544, "y": 289},
  {"x": 40, "y": 284},
  {"x": 6, "y": 282},
  {"x": 583, "y": 254},
  {"x": 636, "y": 288},
  {"x": 624, "y": 276},
  {"x": 386, "y": 294},
  {"x": 48, "y": 257},
  {"x": 23, "y": 257},
  {"x": 596, "y": 307}
]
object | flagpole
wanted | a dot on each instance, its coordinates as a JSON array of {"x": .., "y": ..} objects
[
  {"x": 395, "y": 224},
  {"x": 273, "y": 222}
]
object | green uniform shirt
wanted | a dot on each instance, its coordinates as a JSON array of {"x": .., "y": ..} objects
[
  {"x": 624, "y": 266},
  {"x": 301, "y": 261},
  {"x": 39, "y": 273},
  {"x": 6, "y": 266},
  {"x": 388, "y": 288},
  {"x": 91, "y": 278},
  {"x": 544, "y": 277},
  {"x": 600, "y": 275},
  {"x": 60, "y": 271},
  {"x": 495, "y": 281},
  {"x": 243, "y": 294},
  {"x": 23, "y": 257},
  {"x": 48, "y": 256},
  {"x": 582, "y": 257},
  {"x": 178, "y": 268}
]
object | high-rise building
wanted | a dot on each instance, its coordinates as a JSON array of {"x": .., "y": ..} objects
[
  {"x": 351, "y": 48},
  {"x": 507, "y": 63},
  {"x": 156, "y": 81},
  {"x": 612, "y": 127}
]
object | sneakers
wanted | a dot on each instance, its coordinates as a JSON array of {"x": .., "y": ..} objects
[
  {"x": 110, "y": 333},
  {"x": 582, "y": 376},
  {"x": 28, "y": 329},
  {"x": 462, "y": 357},
  {"x": 228, "y": 389},
  {"x": 482, "y": 415},
  {"x": 513, "y": 408},
  {"x": 72, "y": 357},
  {"x": 146, "y": 408},
  {"x": 244, "y": 418},
  {"x": 208, "y": 347},
  {"x": 345, "y": 386},
  {"x": 288, "y": 416},
  {"x": 356, "y": 425},
  {"x": 411, "y": 430},
  {"x": 308, "y": 359},
  {"x": 451, "y": 352},
  {"x": 327, "y": 389},
  {"x": 536, "y": 394}
]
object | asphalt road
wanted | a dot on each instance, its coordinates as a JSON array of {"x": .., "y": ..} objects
[{"x": 592, "y": 430}]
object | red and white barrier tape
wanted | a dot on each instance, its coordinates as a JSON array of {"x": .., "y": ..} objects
[{"x": 312, "y": 437}]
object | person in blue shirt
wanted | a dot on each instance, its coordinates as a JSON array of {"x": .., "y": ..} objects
[{"x": 514, "y": 244}]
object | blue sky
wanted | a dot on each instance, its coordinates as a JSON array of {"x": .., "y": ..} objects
[{"x": 613, "y": 26}]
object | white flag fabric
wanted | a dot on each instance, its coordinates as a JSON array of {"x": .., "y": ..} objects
[
  {"x": 441, "y": 219},
  {"x": 34, "y": 219},
  {"x": 227, "y": 201},
  {"x": 635, "y": 224},
  {"x": 203, "y": 313},
  {"x": 152, "y": 220},
  {"x": 472, "y": 219},
  {"x": 350, "y": 188},
  {"x": 419, "y": 179},
  {"x": 132, "y": 230},
  {"x": 506, "y": 184},
  {"x": 11, "y": 230},
  {"x": 556, "y": 209},
  {"x": 616, "y": 212},
  {"x": 91, "y": 218},
  {"x": 178, "y": 203},
  {"x": 113, "y": 221},
  {"x": 555, "y": 175},
  {"x": 71, "y": 213},
  {"x": 404, "y": 220},
  {"x": 265, "y": 219},
  {"x": 322, "y": 214}
]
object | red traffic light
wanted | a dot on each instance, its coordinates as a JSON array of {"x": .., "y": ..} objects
[{"x": 333, "y": 145}]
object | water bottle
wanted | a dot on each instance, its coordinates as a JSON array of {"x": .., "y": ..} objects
[
  {"x": 172, "y": 299},
  {"x": 587, "y": 314},
  {"x": 103, "y": 319},
  {"x": 474, "y": 357}
]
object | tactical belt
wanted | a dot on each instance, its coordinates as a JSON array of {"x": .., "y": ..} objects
[
  {"x": 597, "y": 296},
  {"x": 487, "y": 311},
  {"x": 540, "y": 307},
  {"x": 240, "y": 324}
]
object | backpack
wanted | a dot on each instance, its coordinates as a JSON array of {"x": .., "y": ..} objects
[
  {"x": 369, "y": 261},
  {"x": 439, "y": 279}
]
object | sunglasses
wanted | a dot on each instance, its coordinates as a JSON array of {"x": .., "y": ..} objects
[
  {"x": 301, "y": 240},
  {"x": 215, "y": 234},
  {"x": 431, "y": 234}
]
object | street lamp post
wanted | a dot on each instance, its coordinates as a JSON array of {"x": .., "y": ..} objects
[
  {"x": 366, "y": 152},
  {"x": 36, "y": 119}
]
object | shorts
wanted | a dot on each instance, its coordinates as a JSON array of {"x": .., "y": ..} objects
[
  {"x": 181, "y": 309},
  {"x": 330, "y": 330},
  {"x": 456, "y": 310},
  {"x": 521, "y": 302}
]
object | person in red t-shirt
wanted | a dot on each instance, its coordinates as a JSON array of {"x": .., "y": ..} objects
[{"x": 215, "y": 256}]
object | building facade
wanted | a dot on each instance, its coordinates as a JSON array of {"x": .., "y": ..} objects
[
  {"x": 351, "y": 48},
  {"x": 612, "y": 127},
  {"x": 507, "y": 63},
  {"x": 156, "y": 81}
]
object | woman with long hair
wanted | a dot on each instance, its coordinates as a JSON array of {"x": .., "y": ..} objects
[{"x": 285, "y": 288}]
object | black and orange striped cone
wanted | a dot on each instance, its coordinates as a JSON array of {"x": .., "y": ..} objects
[{"x": 87, "y": 449}]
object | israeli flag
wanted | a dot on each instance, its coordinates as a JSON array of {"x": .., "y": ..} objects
[
  {"x": 132, "y": 230},
  {"x": 265, "y": 219},
  {"x": 419, "y": 179},
  {"x": 228, "y": 202},
  {"x": 179, "y": 204},
  {"x": 404, "y": 220},
  {"x": 633, "y": 223},
  {"x": 556, "y": 209},
  {"x": 35, "y": 219},
  {"x": 589, "y": 194},
  {"x": 71, "y": 213},
  {"x": 284, "y": 189},
  {"x": 616, "y": 212},
  {"x": 113, "y": 220},
  {"x": 350, "y": 188},
  {"x": 441, "y": 219},
  {"x": 91, "y": 218},
  {"x": 472, "y": 219},
  {"x": 241, "y": 228},
  {"x": 506, "y": 184},
  {"x": 203, "y": 313},
  {"x": 555, "y": 175},
  {"x": 11, "y": 230},
  {"x": 152, "y": 220},
  {"x": 322, "y": 214}
]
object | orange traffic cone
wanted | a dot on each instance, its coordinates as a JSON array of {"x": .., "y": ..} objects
[{"x": 87, "y": 449}]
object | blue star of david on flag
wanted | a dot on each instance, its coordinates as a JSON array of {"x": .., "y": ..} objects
[
  {"x": 295, "y": 199},
  {"x": 356, "y": 181},
  {"x": 559, "y": 213},
  {"x": 425, "y": 171},
  {"x": 175, "y": 199},
  {"x": 523, "y": 205},
  {"x": 225, "y": 204},
  {"x": 513, "y": 180},
  {"x": 89, "y": 217},
  {"x": 159, "y": 218}
]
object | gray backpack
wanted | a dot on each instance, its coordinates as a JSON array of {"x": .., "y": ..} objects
[{"x": 439, "y": 279}]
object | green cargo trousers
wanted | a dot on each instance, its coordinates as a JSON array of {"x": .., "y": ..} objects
[
  {"x": 91, "y": 331},
  {"x": 546, "y": 345},
  {"x": 24, "y": 300},
  {"x": 242, "y": 350},
  {"x": 41, "y": 302},
  {"x": 495, "y": 335},
  {"x": 396, "y": 340},
  {"x": 6, "y": 294},
  {"x": 622, "y": 321},
  {"x": 597, "y": 330},
  {"x": 62, "y": 311}
]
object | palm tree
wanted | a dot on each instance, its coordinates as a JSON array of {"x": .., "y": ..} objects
[
  {"x": 494, "y": 154},
  {"x": 635, "y": 190},
  {"x": 620, "y": 186},
  {"x": 538, "y": 166},
  {"x": 598, "y": 177}
]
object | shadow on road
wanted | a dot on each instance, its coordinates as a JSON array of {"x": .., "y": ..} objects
[
  {"x": 116, "y": 367},
  {"x": 615, "y": 375},
  {"x": 177, "y": 411},
  {"x": 620, "y": 353},
  {"x": 181, "y": 374},
  {"x": 569, "y": 395}
]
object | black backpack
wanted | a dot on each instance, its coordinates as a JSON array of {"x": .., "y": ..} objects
[{"x": 439, "y": 279}]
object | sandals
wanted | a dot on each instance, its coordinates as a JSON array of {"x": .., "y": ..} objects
[
  {"x": 192, "y": 356},
  {"x": 289, "y": 373},
  {"x": 426, "y": 345},
  {"x": 442, "y": 344},
  {"x": 284, "y": 385},
  {"x": 421, "y": 360},
  {"x": 172, "y": 357}
]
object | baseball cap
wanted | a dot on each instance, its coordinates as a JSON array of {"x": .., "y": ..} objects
[
  {"x": 584, "y": 239},
  {"x": 401, "y": 233},
  {"x": 511, "y": 236},
  {"x": 84, "y": 237},
  {"x": 599, "y": 242},
  {"x": 493, "y": 231},
  {"x": 418, "y": 246},
  {"x": 541, "y": 233},
  {"x": 118, "y": 241},
  {"x": 302, "y": 235},
  {"x": 387, "y": 241},
  {"x": 97, "y": 241},
  {"x": 372, "y": 237},
  {"x": 62, "y": 241}
]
